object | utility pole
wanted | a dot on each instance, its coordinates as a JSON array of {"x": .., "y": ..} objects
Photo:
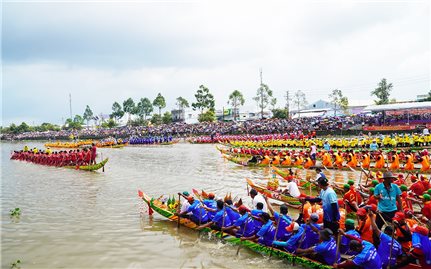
[
  {"x": 260, "y": 71},
  {"x": 70, "y": 105},
  {"x": 261, "y": 94},
  {"x": 287, "y": 104}
]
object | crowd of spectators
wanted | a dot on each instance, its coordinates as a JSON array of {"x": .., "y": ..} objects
[{"x": 181, "y": 129}]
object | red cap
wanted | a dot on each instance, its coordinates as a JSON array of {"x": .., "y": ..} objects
[
  {"x": 243, "y": 208},
  {"x": 373, "y": 207},
  {"x": 190, "y": 199},
  {"x": 421, "y": 230},
  {"x": 413, "y": 177},
  {"x": 211, "y": 195},
  {"x": 400, "y": 175},
  {"x": 399, "y": 216},
  {"x": 340, "y": 202},
  {"x": 361, "y": 212}
]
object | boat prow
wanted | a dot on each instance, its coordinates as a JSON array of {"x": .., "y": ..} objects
[{"x": 93, "y": 167}]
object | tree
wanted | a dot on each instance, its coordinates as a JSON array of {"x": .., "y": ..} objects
[
  {"x": 339, "y": 101},
  {"x": 208, "y": 116},
  {"x": 204, "y": 99},
  {"x": 273, "y": 102},
  {"x": 144, "y": 108},
  {"x": 76, "y": 123},
  {"x": 263, "y": 95},
  {"x": 236, "y": 99},
  {"x": 129, "y": 107},
  {"x": 160, "y": 103},
  {"x": 109, "y": 124},
  {"x": 299, "y": 101},
  {"x": 117, "y": 112},
  {"x": 182, "y": 103},
  {"x": 382, "y": 92},
  {"x": 156, "y": 119},
  {"x": 78, "y": 119},
  {"x": 88, "y": 114},
  {"x": 279, "y": 113},
  {"x": 167, "y": 117}
]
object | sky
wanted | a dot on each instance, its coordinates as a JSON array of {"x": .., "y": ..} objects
[{"x": 103, "y": 52}]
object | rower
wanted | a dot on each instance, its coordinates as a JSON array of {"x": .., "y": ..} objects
[
  {"x": 386, "y": 243},
  {"x": 244, "y": 226},
  {"x": 265, "y": 235},
  {"x": 297, "y": 237},
  {"x": 367, "y": 257},
  {"x": 402, "y": 232},
  {"x": 350, "y": 230},
  {"x": 221, "y": 218},
  {"x": 326, "y": 251},
  {"x": 199, "y": 214},
  {"x": 312, "y": 229},
  {"x": 364, "y": 228},
  {"x": 282, "y": 219}
]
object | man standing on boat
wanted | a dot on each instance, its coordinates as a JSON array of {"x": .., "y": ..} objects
[
  {"x": 328, "y": 197},
  {"x": 387, "y": 194}
]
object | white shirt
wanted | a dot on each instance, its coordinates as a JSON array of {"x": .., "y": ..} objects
[
  {"x": 425, "y": 131},
  {"x": 185, "y": 206},
  {"x": 313, "y": 149},
  {"x": 293, "y": 189},
  {"x": 259, "y": 199}
]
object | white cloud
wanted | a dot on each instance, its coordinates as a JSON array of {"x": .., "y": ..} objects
[{"x": 106, "y": 52}]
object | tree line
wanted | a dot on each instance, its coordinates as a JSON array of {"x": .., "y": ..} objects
[{"x": 205, "y": 104}]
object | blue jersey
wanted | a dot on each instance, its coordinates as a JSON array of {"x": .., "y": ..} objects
[
  {"x": 388, "y": 202},
  {"x": 218, "y": 219},
  {"x": 373, "y": 146},
  {"x": 283, "y": 221},
  {"x": 368, "y": 258},
  {"x": 257, "y": 223},
  {"x": 245, "y": 221},
  {"x": 233, "y": 215},
  {"x": 311, "y": 238},
  {"x": 423, "y": 243},
  {"x": 198, "y": 212},
  {"x": 294, "y": 241},
  {"x": 266, "y": 234},
  {"x": 210, "y": 204},
  {"x": 328, "y": 250},
  {"x": 344, "y": 248},
  {"x": 329, "y": 197},
  {"x": 326, "y": 147},
  {"x": 385, "y": 248}
]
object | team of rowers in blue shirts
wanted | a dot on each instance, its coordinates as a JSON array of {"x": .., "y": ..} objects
[
  {"x": 149, "y": 140},
  {"x": 305, "y": 236}
]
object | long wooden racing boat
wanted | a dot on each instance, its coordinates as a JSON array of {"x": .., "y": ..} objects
[
  {"x": 289, "y": 200},
  {"x": 161, "y": 208},
  {"x": 245, "y": 162},
  {"x": 93, "y": 167}
]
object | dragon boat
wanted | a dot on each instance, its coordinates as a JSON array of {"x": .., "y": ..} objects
[
  {"x": 168, "y": 212},
  {"x": 93, "y": 167},
  {"x": 245, "y": 162}
]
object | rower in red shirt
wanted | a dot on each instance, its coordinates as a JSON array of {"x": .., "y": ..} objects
[{"x": 417, "y": 187}]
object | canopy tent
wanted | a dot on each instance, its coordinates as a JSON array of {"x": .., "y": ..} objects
[{"x": 398, "y": 106}]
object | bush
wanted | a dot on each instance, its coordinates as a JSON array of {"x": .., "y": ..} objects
[
  {"x": 208, "y": 116},
  {"x": 156, "y": 119},
  {"x": 167, "y": 117}
]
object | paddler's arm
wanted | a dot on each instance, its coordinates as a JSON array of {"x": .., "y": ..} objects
[
  {"x": 312, "y": 226},
  {"x": 251, "y": 238},
  {"x": 305, "y": 251},
  {"x": 345, "y": 264},
  {"x": 208, "y": 224},
  {"x": 269, "y": 205},
  {"x": 373, "y": 223}
]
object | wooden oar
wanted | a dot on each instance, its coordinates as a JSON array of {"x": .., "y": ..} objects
[
  {"x": 103, "y": 167},
  {"x": 275, "y": 235},
  {"x": 380, "y": 215},
  {"x": 337, "y": 252},
  {"x": 243, "y": 232},
  {"x": 222, "y": 222},
  {"x": 179, "y": 210},
  {"x": 392, "y": 245}
]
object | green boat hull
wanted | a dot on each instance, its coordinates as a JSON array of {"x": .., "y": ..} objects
[
  {"x": 302, "y": 261},
  {"x": 93, "y": 167}
]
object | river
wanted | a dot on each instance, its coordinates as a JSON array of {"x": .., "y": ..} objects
[{"x": 78, "y": 219}]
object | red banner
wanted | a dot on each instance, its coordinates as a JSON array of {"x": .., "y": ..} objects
[{"x": 389, "y": 128}]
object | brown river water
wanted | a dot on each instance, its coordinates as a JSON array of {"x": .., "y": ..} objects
[{"x": 78, "y": 219}]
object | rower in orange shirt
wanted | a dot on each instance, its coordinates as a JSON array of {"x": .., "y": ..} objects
[
  {"x": 365, "y": 229},
  {"x": 327, "y": 160},
  {"x": 338, "y": 160},
  {"x": 287, "y": 161},
  {"x": 424, "y": 161},
  {"x": 380, "y": 161},
  {"x": 308, "y": 162},
  {"x": 266, "y": 160},
  {"x": 395, "y": 164},
  {"x": 409, "y": 162},
  {"x": 366, "y": 160}
]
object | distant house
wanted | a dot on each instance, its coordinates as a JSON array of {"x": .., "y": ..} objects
[{"x": 320, "y": 104}]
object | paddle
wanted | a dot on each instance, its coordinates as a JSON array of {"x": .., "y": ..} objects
[
  {"x": 179, "y": 210},
  {"x": 337, "y": 252},
  {"x": 380, "y": 215},
  {"x": 275, "y": 236},
  {"x": 222, "y": 223},
  {"x": 392, "y": 244},
  {"x": 243, "y": 232}
]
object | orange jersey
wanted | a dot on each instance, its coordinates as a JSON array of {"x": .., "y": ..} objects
[
  {"x": 366, "y": 162},
  {"x": 380, "y": 163},
  {"x": 395, "y": 163},
  {"x": 365, "y": 230}
]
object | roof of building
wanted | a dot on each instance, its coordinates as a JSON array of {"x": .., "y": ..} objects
[{"x": 397, "y": 106}]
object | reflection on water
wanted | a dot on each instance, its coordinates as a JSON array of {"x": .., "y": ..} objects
[{"x": 77, "y": 219}]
